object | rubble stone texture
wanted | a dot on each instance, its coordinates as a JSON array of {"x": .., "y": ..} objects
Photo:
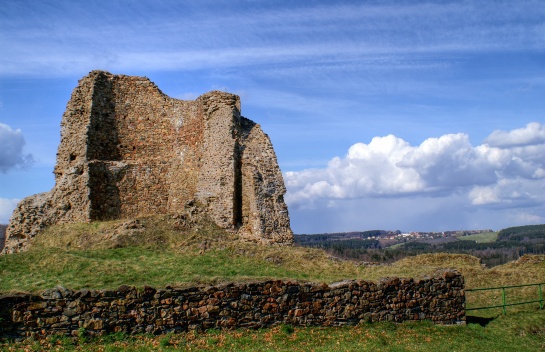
[
  {"x": 128, "y": 150},
  {"x": 440, "y": 299}
]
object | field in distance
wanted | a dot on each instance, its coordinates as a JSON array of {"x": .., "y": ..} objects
[{"x": 485, "y": 237}]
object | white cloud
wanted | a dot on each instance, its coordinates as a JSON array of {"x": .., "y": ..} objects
[
  {"x": 523, "y": 217},
  {"x": 11, "y": 151},
  {"x": 504, "y": 173},
  {"x": 366, "y": 170},
  {"x": 484, "y": 195},
  {"x": 532, "y": 134},
  {"x": 450, "y": 162},
  {"x": 509, "y": 193},
  {"x": 6, "y": 209}
]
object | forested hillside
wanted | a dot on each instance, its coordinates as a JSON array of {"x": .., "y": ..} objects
[
  {"x": 374, "y": 246},
  {"x": 530, "y": 233}
]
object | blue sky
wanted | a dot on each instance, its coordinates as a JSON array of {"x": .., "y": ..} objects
[{"x": 410, "y": 115}]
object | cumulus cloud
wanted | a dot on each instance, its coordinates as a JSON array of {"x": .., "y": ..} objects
[
  {"x": 507, "y": 170},
  {"x": 6, "y": 209},
  {"x": 532, "y": 134},
  {"x": 11, "y": 150}
]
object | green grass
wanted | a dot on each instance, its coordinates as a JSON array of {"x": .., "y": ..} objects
[
  {"x": 397, "y": 245},
  {"x": 110, "y": 268},
  {"x": 487, "y": 237},
  {"x": 106, "y": 255},
  {"x": 506, "y": 333},
  {"x": 161, "y": 256},
  {"x": 162, "y": 252}
]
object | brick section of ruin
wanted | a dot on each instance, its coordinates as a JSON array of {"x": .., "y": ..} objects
[
  {"x": 440, "y": 299},
  {"x": 128, "y": 150}
]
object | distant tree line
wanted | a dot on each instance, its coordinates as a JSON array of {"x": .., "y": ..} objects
[
  {"x": 512, "y": 243},
  {"x": 527, "y": 233},
  {"x": 340, "y": 236}
]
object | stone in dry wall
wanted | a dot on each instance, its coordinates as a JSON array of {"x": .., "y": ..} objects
[
  {"x": 129, "y": 150},
  {"x": 254, "y": 305}
]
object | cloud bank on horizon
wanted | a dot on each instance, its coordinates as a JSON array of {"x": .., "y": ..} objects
[
  {"x": 507, "y": 170},
  {"x": 506, "y": 173},
  {"x": 433, "y": 108}
]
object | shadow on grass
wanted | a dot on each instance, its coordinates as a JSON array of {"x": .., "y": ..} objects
[{"x": 478, "y": 320}]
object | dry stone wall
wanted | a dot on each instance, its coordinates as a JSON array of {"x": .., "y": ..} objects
[
  {"x": 253, "y": 305},
  {"x": 129, "y": 150}
]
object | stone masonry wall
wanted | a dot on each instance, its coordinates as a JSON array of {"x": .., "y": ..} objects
[
  {"x": 128, "y": 150},
  {"x": 262, "y": 189},
  {"x": 217, "y": 182},
  {"x": 254, "y": 305}
]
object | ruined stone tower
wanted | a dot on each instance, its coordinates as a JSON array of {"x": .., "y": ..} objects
[{"x": 129, "y": 150}]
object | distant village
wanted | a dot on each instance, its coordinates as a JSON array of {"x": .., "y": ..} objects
[
  {"x": 398, "y": 236},
  {"x": 387, "y": 238}
]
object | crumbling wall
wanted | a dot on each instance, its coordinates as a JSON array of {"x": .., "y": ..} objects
[
  {"x": 129, "y": 150},
  {"x": 252, "y": 305},
  {"x": 263, "y": 208},
  {"x": 68, "y": 201},
  {"x": 142, "y": 148}
]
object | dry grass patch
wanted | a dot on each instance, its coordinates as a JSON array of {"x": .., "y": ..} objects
[
  {"x": 157, "y": 232},
  {"x": 425, "y": 265}
]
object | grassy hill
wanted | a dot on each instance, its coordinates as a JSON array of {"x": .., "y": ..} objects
[
  {"x": 486, "y": 237},
  {"x": 164, "y": 250},
  {"x": 158, "y": 251}
]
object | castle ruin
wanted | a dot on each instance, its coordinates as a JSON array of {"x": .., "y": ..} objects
[{"x": 128, "y": 150}]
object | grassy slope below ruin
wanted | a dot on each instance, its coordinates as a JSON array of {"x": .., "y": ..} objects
[{"x": 161, "y": 251}]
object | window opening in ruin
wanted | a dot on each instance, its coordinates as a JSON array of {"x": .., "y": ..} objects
[{"x": 72, "y": 157}]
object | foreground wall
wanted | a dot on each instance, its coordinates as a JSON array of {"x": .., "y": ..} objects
[{"x": 62, "y": 311}]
